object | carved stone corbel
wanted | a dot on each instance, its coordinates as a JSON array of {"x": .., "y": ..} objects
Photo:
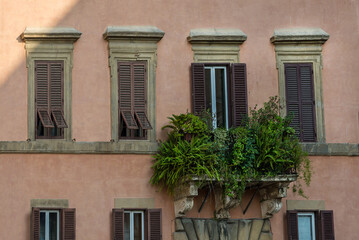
[
  {"x": 271, "y": 198},
  {"x": 224, "y": 204},
  {"x": 183, "y": 198}
]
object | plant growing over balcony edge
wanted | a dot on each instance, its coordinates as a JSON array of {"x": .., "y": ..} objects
[{"x": 264, "y": 146}]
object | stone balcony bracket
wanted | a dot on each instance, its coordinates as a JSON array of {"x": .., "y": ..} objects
[{"x": 271, "y": 191}]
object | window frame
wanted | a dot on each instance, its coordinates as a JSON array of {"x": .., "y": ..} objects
[
  {"x": 49, "y": 44},
  {"x": 132, "y": 212},
  {"x": 314, "y": 222},
  {"x": 302, "y": 46},
  {"x": 126, "y": 44},
  {"x": 47, "y": 211}
]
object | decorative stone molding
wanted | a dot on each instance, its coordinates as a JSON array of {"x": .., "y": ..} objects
[
  {"x": 134, "y": 43},
  {"x": 302, "y": 46},
  {"x": 230, "y": 229},
  {"x": 271, "y": 190},
  {"x": 50, "y": 44},
  {"x": 216, "y": 45}
]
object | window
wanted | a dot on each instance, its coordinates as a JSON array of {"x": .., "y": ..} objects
[
  {"x": 301, "y": 49},
  {"x": 300, "y": 100},
  {"x": 221, "y": 89},
  {"x": 137, "y": 224},
  {"x": 49, "y": 57},
  {"x": 49, "y": 99},
  {"x": 53, "y": 224},
  {"x": 133, "y": 51},
  {"x": 310, "y": 225},
  {"x": 133, "y": 121}
]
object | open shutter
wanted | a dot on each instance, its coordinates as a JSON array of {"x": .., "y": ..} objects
[
  {"x": 154, "y": 219},
  {"x": 118, "y": 224},
  {"x": 307, "y": 102},
  {"x": 35, "y": 224},
  {"x": 327, "y": 225},
  {"x": 292, "y": 225},
  {"x": 198, "y": 88},
  {"x": 42, "y": 96},
  {"x": 239, "y": 93},
  {"x": 69, "y": 224},
  {"x": 125, "y": 93},
  {"x": 139, "y": 94},
  {"x": 57, "y": 93},
  {"x": 292, "y": 97}
]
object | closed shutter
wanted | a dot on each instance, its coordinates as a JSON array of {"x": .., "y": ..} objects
[
  {"x": 198, "y": 88},
  {"x": 239, "y": 93},
  {"x": 308, "y": 104},
  {"x": 327, "y": 225},
  {"x": 154, "y": 224},
  {"x": 292, "y": 225},
  {"x": 35, "y": 224},
  {"x": 42, "y": 94},
  {"x": 139, "y": 94},
  {"x": 300, "y": 100},
  {"x": 69, "y": 224},
  {"x": 118, "y": 224}
]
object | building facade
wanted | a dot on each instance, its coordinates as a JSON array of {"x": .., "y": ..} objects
[{"x": 85, "y": 87}]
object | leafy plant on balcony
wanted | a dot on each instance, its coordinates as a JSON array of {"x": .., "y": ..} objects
[{"x": 264, "y": 146}]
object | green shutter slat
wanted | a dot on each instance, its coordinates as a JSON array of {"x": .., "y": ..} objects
[{"x": 239, "y": 93}]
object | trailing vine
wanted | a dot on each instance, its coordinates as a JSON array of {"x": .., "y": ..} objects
[{"x": 264, "y": 146}]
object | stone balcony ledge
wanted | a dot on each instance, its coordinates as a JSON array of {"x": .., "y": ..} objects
[{"x": 271, "y": 190}]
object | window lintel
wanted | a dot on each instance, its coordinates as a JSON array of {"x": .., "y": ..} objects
[
  {"x": 50, "y": 34},
  {"x": 299, "y": 35}
]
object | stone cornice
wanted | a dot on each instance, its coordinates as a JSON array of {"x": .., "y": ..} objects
[
  {"x": 50, "y": 34},
  {"x": 216, "y": 35},
  {"x": 299, "y": 35},
  {"x": 134, "y": 33},
  {"x": 68, "y": 147}
]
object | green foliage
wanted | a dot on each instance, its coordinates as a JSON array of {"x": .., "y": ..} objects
[{"x": 264, "y": 146}]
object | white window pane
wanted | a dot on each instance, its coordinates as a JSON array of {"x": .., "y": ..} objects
[
  {"x": 127, "y": 226},
  {"x": 305, "y": 227}
]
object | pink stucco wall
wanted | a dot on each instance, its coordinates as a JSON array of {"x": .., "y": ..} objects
[{"x": 91, "y": 182}]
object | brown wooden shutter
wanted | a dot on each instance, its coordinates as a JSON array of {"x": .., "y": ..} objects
[
  {"x": 42, "y": 94},
  {"x": 125, "y": 93},
  {"x": 139, "y": 94},
  {"x": 118, "y": 224},
  {"x": 35, "y": 224},
  {"x": 292, "y": 225},
  {"x": 308, "y": 103},
  {"x": 300, "y": 100},
  {"x": 198, "y": 88},
  {"x": 239, "y": 93},
  {"x": 154, "y": 224},
  {"x": 57, "y": 93},
  {"x": 69, "y": 224},
  {"x": 327, "y": 225}
]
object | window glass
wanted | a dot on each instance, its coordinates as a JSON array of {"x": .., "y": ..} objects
[
  {"x": 137, "y": 229},
  {"x": 306, "y": 226},
  {"x": 42, "y": 225},
  {"x": 127, "y": 226},
  {"x": 217, "y": 95},
  {"x": 49, "y": 225}
]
